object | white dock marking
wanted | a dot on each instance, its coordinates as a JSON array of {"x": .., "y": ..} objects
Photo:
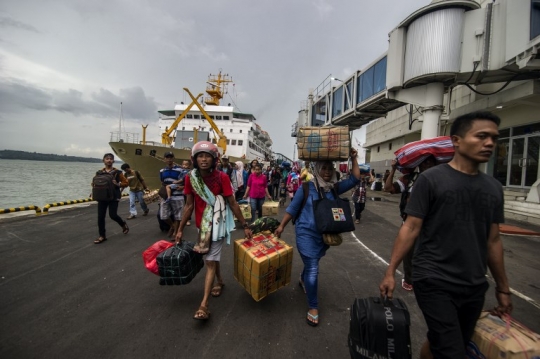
[
  {"x": 515, "y": 292},
  {"x": 373, "y": 253}
]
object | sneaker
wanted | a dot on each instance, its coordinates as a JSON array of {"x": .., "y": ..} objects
[
  {"x": 131, "y": 216},
  {"x": 146, "y": 212},
  {"x": 406, "y": 285}
]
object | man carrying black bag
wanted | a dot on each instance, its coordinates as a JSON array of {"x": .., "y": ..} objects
[
  {"x": 455, "y": 211},
  {"x": 210, "y": 193}
]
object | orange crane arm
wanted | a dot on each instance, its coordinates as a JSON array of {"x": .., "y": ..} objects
[{"x": 165, "y": 136}]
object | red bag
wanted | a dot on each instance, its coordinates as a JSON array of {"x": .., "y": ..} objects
[
  {"x": 414, "y": 153},
  {"x": 150, "y": 255}
]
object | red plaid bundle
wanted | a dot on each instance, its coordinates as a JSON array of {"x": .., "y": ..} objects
[{"x": 414, "y": 153}]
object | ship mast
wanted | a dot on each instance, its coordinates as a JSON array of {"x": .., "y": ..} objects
[{"x": 216, "y": 88}]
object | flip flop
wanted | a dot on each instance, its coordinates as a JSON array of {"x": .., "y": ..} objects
[
  {"x": 202, "y": 313},
  {"x": 100, "y": 240},
  {"x": 217, "y": 289},
  {"x": 313, "y": 317}
]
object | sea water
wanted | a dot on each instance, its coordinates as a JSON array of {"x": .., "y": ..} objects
[{"x": 24, "y": 183}]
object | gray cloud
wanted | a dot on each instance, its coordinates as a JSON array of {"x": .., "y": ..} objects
[
  {"x": 9, "y": 22},
  {"x": 16, "y": 96}
]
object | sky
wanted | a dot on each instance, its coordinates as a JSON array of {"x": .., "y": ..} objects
[{"x": 65, "y": 65}]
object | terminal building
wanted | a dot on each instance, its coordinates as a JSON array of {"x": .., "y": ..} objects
[{"x": 446, "y": 59}]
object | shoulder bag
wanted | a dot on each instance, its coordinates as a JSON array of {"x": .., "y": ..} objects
[{"x": 332, "y": 216}]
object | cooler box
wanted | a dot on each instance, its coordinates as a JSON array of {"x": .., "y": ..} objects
[
  {"x": 263, "y": 264},
  {"x": 328, "y": 143},
  {"x": 495, "y": 340},
  {"x": 270, "y": 208}
]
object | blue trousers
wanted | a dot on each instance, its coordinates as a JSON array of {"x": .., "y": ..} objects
[
  {"x": 132, "y": 197},
  {"x": 310, "y": 277},
  {"x": 256, "y": 206}
]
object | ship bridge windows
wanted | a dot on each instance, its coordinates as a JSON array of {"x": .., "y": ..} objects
[
  {"x": 228, "y": 142},
  {"x": 535, "y": 18},
  {"x": 371, "y": 81},
  {"x": 189, "y": 116},
  {"x": 218, "y": 117},
  {"x": 240, "y": 142},
  {"x": 233, "y": 142},
  {"x": 337, "y": 102},
  {"x": 226, "y": 118}
]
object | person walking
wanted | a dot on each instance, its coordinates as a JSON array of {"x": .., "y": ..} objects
[
  {"x": 137, "y": 186},
  {"x": 359, "y": 199},
  {"x": 119, "y": 182},
  {"x": 309, "y": 240},
  {"x": 205, "y": 188},
  {"x": 453, "y": 214},
  {"x": 256, "y": 190},
  {"x": 404, "y": 185},
  {"x": 172, "y": 174}
]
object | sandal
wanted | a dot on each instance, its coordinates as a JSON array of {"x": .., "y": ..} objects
[
  {"x": 217, "y": 289},
  {"x": 202, "y": 313},
  {"x": 312, "y": 320},
  {"x": 125, "y": 228},
  {"x": 100, "y": 240}
]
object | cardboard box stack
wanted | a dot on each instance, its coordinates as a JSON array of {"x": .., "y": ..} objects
[
  {"x": 495, "y": 340},
  {"x": 263, "y": 264},
  {"x": 330, "y": 143},
  {"x": 270, "y": 208}
]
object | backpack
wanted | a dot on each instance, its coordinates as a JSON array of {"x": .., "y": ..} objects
[
  {"x": 405, "y": 195},
  {"x": 103, "y": 188}
]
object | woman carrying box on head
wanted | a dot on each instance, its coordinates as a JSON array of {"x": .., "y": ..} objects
[{"x": 309, "y": 240}]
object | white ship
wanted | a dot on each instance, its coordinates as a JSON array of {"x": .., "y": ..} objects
[{"x": 236, "y": 134}]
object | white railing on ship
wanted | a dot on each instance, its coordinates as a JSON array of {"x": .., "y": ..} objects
[{"x": 128, "y": 137}]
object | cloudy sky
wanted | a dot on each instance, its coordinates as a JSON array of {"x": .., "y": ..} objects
[{"x": 65, "y": 65}]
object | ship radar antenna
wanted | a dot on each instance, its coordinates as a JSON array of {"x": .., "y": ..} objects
[{"x": 216, "y": 88}]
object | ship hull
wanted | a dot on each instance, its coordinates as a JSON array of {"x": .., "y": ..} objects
[{"x": 149, "y": 160}]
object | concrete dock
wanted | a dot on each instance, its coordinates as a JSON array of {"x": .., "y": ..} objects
[{"x": 62, "y": 296}]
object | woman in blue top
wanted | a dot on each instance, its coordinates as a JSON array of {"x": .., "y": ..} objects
[{"x": 308, "y": 240}]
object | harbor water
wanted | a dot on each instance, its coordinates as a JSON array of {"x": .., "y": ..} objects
[{"x": 24, "y": 183}]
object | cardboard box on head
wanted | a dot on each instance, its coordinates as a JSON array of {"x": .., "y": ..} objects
[{"x": 328, "y": 143}]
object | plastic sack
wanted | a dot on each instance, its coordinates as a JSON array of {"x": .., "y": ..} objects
[
  {"x": 414, "y": 153},
  {"x": 150, "y": 255}
]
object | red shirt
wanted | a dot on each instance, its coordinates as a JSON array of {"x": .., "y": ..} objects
[
  {"x": 217, "y": 182},
  {"x": 257, "y": 186}
]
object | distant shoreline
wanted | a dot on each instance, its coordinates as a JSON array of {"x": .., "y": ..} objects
[{"x": 35, "y": 156}]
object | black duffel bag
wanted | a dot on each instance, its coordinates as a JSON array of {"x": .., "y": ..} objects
[
  {"x": 332, "y": 216},
  {"x": 179, "y": 264}
]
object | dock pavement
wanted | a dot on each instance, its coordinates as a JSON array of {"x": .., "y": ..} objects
[{"x": 62, "y": 296}]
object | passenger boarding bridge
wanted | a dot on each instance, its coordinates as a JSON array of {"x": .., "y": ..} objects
[{"x": 440, "y": 46}]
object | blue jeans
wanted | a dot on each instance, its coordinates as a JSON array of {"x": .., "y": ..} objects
[
  {"x": 256, "y": 206},
  {"x": 310, "y": 277},
  {"x": 136, "y": 195}
]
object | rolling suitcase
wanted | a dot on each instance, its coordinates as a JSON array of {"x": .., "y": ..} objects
[
  {"x": 179, "y": 264},
  {"x": 379, "y": 329}
]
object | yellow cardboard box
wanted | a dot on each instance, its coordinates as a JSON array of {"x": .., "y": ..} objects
[
  {"x": 496, "y": 341},
  {"x": 270, "y": 208},
  {"x": 246, "y": 211},
  {"x": 263, "y": 264},
  {"x": 330, "y": 143}
]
